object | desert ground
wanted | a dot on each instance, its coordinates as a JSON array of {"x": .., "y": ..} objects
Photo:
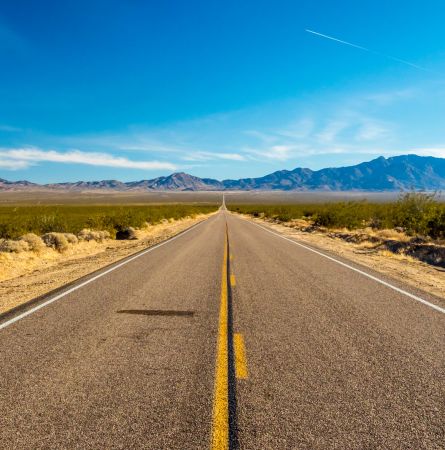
[
  {"x": 109, "y": 197},
  {"x": 24, "y": 276}
]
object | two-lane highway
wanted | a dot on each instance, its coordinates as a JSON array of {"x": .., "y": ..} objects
[{"x": 226, "y": 336}]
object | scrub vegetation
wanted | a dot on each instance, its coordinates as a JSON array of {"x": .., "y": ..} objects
[
  {"x": 413, "y": 213},
  {"x": 59, "y": 223}
]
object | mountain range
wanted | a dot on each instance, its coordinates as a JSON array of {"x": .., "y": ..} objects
[{"x": 404, "y": 172}]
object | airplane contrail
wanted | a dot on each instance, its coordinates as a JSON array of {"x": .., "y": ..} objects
[{"x": 368, "y": 50}]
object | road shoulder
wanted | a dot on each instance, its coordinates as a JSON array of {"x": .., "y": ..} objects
[
  {"x": 419, "y": 275},
  {"x": 44, "y": 275}
]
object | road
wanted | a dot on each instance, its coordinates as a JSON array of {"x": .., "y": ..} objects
[{"x": 227, "y": 336}]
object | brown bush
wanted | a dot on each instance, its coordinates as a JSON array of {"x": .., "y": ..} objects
[
  {"x": 10, "y": 246},
  {"x": 34, "y": 242},
  {"x": 89, "y": 235},
  {"x": 57, "y": 241},
  {"x": 71, "y": 238}
]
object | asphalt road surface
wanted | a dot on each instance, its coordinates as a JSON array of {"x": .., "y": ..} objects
[{"x": 227, "y": 336}]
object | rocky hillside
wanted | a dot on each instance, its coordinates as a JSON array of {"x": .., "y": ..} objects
[{"x": 382, "y": 174}]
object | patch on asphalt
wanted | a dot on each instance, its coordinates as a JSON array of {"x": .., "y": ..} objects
[{"x": 157, "y": 312}]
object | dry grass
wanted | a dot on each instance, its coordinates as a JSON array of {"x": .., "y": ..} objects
[
  {"x": 26, "y": 275},
  {"x": 397, "y": 265},
  {"x": 34, "y": 242}
]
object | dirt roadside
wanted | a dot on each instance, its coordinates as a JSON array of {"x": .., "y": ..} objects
[
  {"x": 27, "y": 275},
  {"x": 415, "y": 273}
]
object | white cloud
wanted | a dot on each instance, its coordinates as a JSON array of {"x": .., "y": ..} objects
[
  {"x": 25, "y": 157},
  {"x": 9, "y": 128},
  {"x": 209, "y": 156},
  {"x": 332, "y": 130},
  {"x": 390, "y": 97},
  {"x": 368, "y": 123},
  {"x": 281, "y": 152},
  {"x": 12, "y": 164},
  {"x": 299, "y": 130},
  {"x": 276, "y": 152},
  {"x": 438, "y": 152},
  {"x": 344, "y": 130},
  {"x": 262, "y": 136},
  {"x": 371, "y": 130},
  {"x": 408, "y": 63},
  {"x": 231, "y": 156}
]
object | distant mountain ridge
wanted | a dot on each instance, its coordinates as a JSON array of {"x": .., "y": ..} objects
[{"x": 381, "y": 174}]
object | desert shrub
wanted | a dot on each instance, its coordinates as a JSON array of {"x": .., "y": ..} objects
[
  {"x": 418, "y": 213},
  {"x": 49, "y": 222},
  {"x": 343, "y": 215},
  {"x": 16, "y": 221},
  {"x": 34, "y": 242},
  {"x": 435, "y": 224},
  {"x": 102, "y": 235},
  {"x": 10, "y": 246},
  {"x": 71, "y": 238},
  {"x": 128, "y": 233},
  {"x": 89, "y": 235},
  {"x": 414, "y": 213},
  {"x": 57, "y": 241},
  {"x": 11, "y": 229}
]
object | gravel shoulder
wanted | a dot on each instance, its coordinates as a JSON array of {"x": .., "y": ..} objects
[
  {"x": 28, "y": 275},
  {"x": 401, "y": 267}
]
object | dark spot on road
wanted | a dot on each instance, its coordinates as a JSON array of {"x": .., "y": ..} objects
[{"x": 157, "y": 312}]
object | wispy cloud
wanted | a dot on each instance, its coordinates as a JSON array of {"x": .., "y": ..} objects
[
  {"x": 9, "y": 128},
  {"x": 438, "y": 152},
  {"x": 371, "y": 130},
  {"x": 337, "y": 40},
  {"x": 402, "y": 61},
  {"x": 343, "y": 129},
  {"x": 25, "y": 157},
  {"x": 13, "y": 164},
  {"x": 209, "y": 156},
  {"x": 300, "y": 129},
  {"x": 278, "y": 135},
  {"x": 332, "y": 130},
  {"x": 388, "y": 98},
  {"x": 281, "y": 152}
]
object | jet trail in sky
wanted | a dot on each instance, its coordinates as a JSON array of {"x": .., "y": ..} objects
[{"x": 368, "y": 50}]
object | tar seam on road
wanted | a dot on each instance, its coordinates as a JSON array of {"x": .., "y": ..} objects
[
  {"x": 157, "y": 312},
  {"x": 90, "y": 280},
  {"x": 224, "y": 425},
  {"x": 233, "y": 417},
  {"x": 361, "y": 272}
]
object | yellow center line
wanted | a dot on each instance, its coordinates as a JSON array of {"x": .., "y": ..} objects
[
  {"x": 232, "y": 280},
  {"x": 220, "y": 426},
  {"x": 240, "y": 357}
]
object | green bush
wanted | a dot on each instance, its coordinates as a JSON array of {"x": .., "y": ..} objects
[
  {"x": 417, "y": 213},
  {"x": 19, "y": 220}
]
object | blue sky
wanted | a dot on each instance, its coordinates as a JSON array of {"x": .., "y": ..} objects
[{"x": 137, "y": 89}]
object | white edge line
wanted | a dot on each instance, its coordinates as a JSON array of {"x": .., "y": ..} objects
[
  {"x": 90, "y": 280},
  {"x": 361, "y": 272}
]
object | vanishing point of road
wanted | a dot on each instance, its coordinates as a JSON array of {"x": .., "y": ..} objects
[{"x": 226, "y": 336}]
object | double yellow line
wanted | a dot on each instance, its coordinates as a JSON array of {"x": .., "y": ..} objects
[{"x": 220, "y": 428}]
